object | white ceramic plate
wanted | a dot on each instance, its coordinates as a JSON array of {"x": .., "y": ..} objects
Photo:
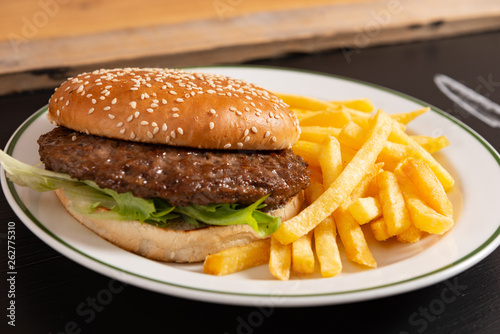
[{"x": 401, "y": 267}]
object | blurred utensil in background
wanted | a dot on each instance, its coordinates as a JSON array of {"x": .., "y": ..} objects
[{"x": 469, "y": 100}]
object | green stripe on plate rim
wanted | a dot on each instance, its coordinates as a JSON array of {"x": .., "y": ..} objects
[{"x": 490, "y": 149}]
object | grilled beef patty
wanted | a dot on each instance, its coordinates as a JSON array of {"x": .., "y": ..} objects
[{"x": 182, "y": 176}]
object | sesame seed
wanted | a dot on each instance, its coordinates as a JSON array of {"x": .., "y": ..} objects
[
  {"x": 167, "y": 139},
  {"x": 180, "y": 131},
  {"x": 175, "y": 109},
  {"x": 274, "y": 139},
  {"x": 179, "y": 100},
  {"x": 144, "y": 123},
  {"x": 212, "y": 111},
  {"x": 107, "y": 108},
  {"x": 122, "y": 131},
  {"x": 101, "y": 98},
  {"x": 150, "y": 110},
  {"x": 150, "y": 135},
  {"x": 91, "y": 110},
  {"x": 254, "y": 129},
  {"x": 238, "y": 113},
  {"x": 73, "y": 138},
  {"x": 175, "y": 115},
  {"x": 248, "y": 97},
  {"x": 211, "y": 125},
  {"x": 132, "y": 135},
  {"x": 164, "y": 87},
  {"x": 111, "y": 116},
  {"x": 154, "y": 124},
  {"x": 267, "y": 134},
  {"x": 67, "y": 102},
  {"x": 172, "y": 134},
  {"x": 240, "y": 144},
  {"x": 173, "y": 92},
  {"x": 136, "y": 114},
  {"x": 232, "y": 108},
  {"x": 89, "y": 95},
  {"x": 108, "y": 87},
  {"x": 246, "y": 132},
  {"x": 154, "y": 105},
  {"x": 227, "y": 146},
  {"x": 58, "y": 112},
  {"x": 247, "y": 138},
  {"x": 164, "y": 101},
  {"x": 80, "y": 89},
  {"x": 164, "y": 127},
  {"x": 113, "y": 101},
  {"x": 155, "y": 130},
  {"x": 133, "y": 104},
  {"x": 119, "y": 125},
  {"x": 130, "y": 118},
  {"x": 134, "y": 88},
  {"x": 211, "y": 91}
]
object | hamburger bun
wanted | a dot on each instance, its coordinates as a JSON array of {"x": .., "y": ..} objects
[
  {"x": 180, "y": 242},
  {"x": 174, "y": 107}
]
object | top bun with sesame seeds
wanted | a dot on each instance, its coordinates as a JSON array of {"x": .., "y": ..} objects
[
  {"x": 174, "y": 107},
  {"x": 180, "y": 164}
]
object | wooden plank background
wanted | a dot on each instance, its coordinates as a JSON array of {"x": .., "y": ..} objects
[{"x": 44, "y": 41}]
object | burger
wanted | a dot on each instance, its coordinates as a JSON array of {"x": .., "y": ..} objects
[{"x": 169, "y": 164}]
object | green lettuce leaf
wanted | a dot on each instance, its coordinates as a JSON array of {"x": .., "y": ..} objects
[{"x": 88, "y": 198}]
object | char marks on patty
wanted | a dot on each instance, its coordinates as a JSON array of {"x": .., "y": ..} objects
[{"x": 182, "y": 176}]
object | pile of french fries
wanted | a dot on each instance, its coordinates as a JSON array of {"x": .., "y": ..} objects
[{"x": 365, "y": 170}]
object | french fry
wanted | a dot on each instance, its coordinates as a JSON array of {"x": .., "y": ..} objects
[
  {"x": 365, "y": 209},
  {"x": 432, "y": 144},
  {"x": 364, "y": 105},
  {"x": 352, "y": 135},
  {"x": 330, "y": 160},
  {"x": 363, "y": 187},
  {"x": 305, "y": 102},
  {"x": 238, "y": 258},
  {"x": 318, "y": 134},
  {"x": 407, "y": 117},
  {"x": 325, "y": 242},
  {"x": 280, "y": 259},
  {"x": 411, "y": 235},
  {"x": 396, "y": 216},
  {"x": 303, "y": 255},
  {"x": 379, "y": 229},
  {"x": 326, "y": 248},
  {"x": 392, "y": 154},
  {"x": 340, "y": 189},
  {"x": 427, "y": 185},
  {"x": 349, "y": 230},
  {"x": 399, "y": 136},
  {"x": 308, "y": 151},
  {"x": 329, "y": 118},
  {"x": 422, "y": 216},
  {"x": 353, "y": 239}
]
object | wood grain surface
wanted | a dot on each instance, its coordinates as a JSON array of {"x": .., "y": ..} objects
[{"x": 39, "y": 35}]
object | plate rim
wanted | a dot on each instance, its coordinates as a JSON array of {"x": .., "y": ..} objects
[{"x": 449, "y": 270}]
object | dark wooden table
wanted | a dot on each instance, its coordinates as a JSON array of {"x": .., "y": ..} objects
[{"x": 50, "y": 288}]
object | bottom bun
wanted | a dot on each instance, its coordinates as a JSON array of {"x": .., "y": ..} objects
[{"x": 180, "y": 244}]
